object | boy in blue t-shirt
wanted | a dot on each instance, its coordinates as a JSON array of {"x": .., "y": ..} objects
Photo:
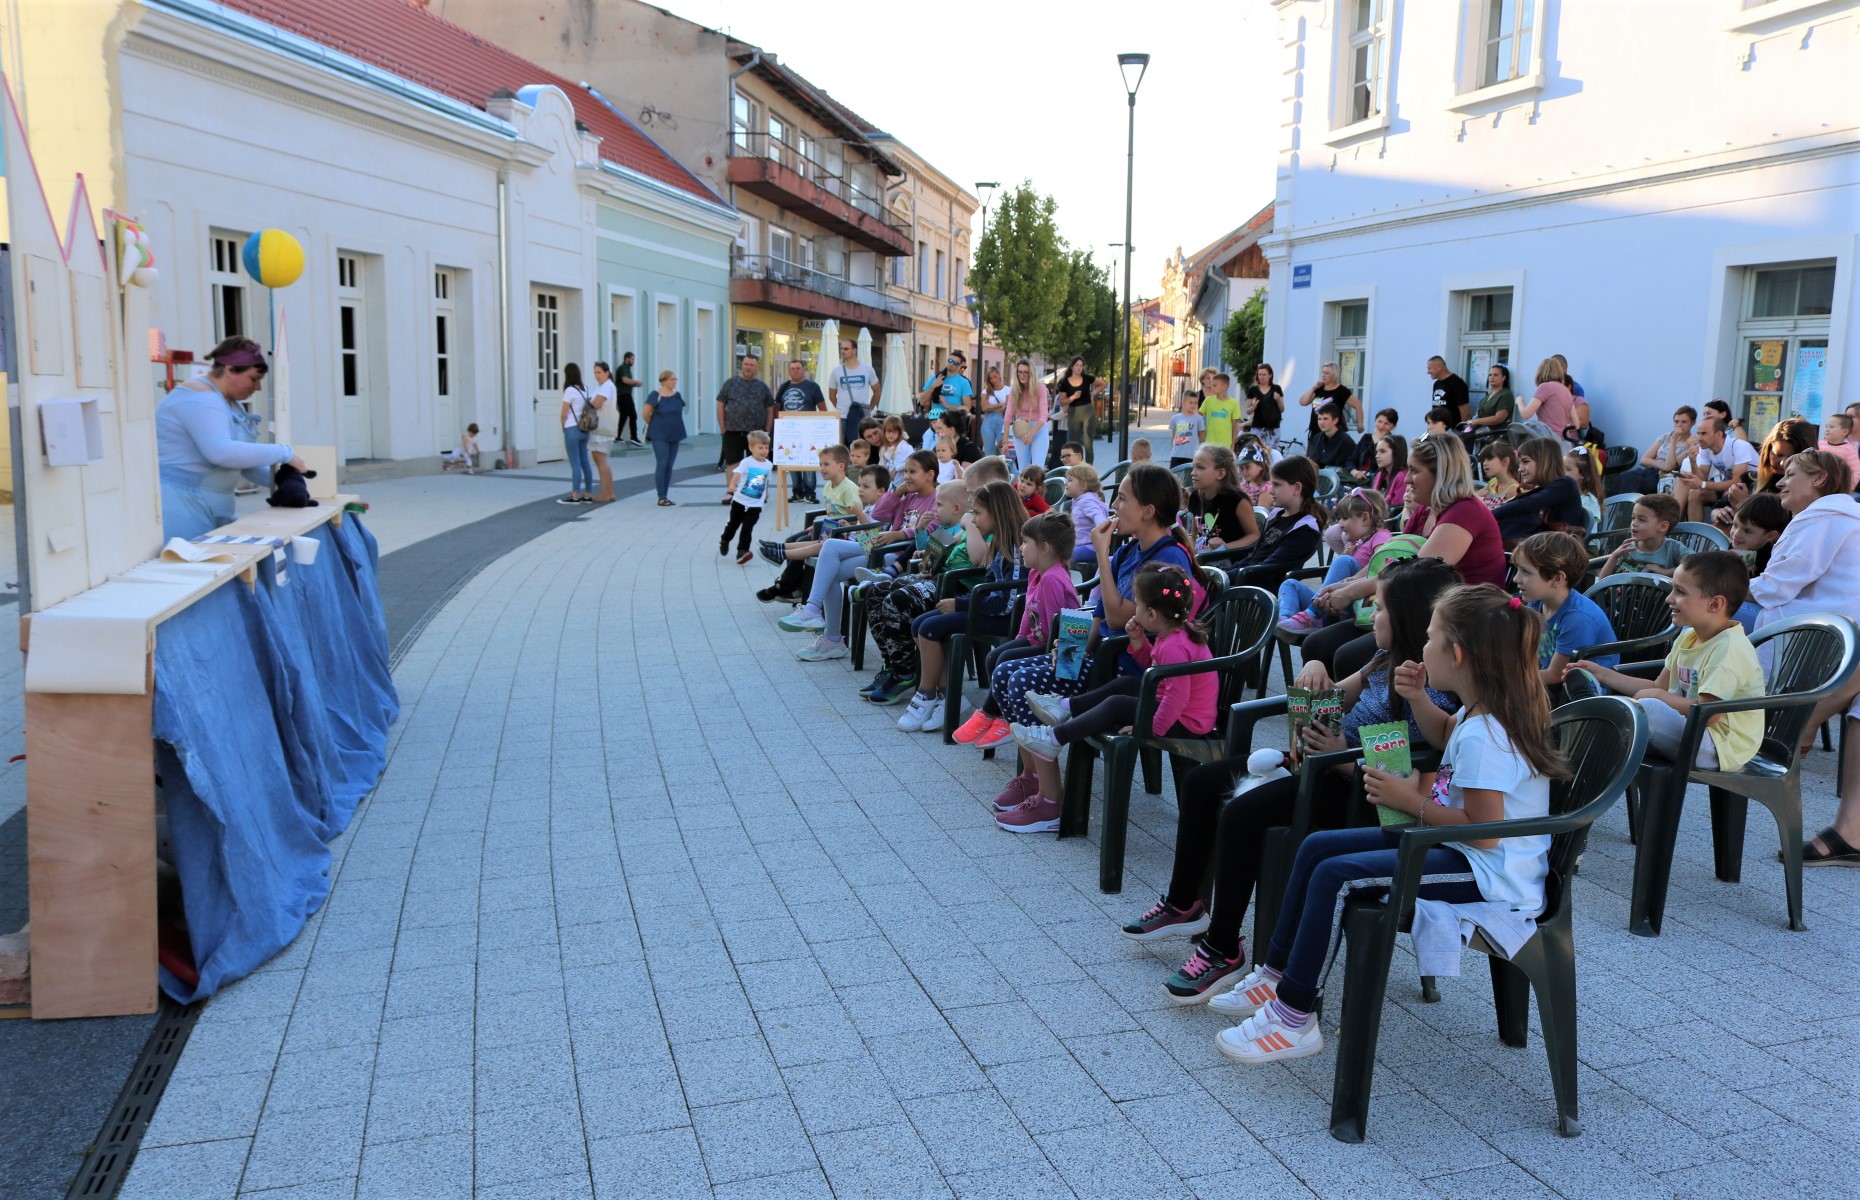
[
  {"x": 1548, "y": 566},
  {"x": 748, "y": 492}
]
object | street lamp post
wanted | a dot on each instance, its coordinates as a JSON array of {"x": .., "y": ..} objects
[
  {"x": 1120, "y": 325},
  {"x": 1132, "y": 66},
  {"x": 984, "y": 189}
]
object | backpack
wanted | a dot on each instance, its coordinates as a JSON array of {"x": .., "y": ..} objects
[
  {"x": 1402, "y": 545},
  {"x": 589, "y": 419}
]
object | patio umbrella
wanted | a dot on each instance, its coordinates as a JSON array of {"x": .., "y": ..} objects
[
  {"x": 829, "y": 351},
  {"x": 896, "y": 398},
  {"x": 865, "y": 345}
]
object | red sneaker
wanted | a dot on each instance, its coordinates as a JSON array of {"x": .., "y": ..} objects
[
  {"x": 974, "y": 727},
  {"x": 1017, "y": 791},
  {"x": 999, "y": 734},
  {"x": 1036, "y": 814}
]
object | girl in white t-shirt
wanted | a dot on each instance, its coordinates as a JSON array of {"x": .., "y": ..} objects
[{"x": 1499, "y": 760}]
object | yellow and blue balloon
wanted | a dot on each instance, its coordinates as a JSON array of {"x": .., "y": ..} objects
[{"x": 274, "y": 258}]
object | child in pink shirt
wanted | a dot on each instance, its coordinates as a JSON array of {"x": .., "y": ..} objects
[
  {"x": 1046, "y": 552},
  {"x": 1162, "y": 633},
  {"x": 1839, "y": 428}
]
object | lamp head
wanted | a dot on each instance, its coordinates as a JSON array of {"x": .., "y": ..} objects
[
  {"x": 987, "y": 185},
  {"x": 1133, "y": 66}
]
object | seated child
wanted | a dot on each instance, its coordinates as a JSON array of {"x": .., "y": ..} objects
[
  {"x": 1030, "y": 486},
  {"x": 1584, "y": 465},
  {"x": 1071, "y": 454},
  {"x": 1646, "y": 547},
  {"x": 1140, "y": 451},
  {"x": 915, "y": 582},
  {"x": 1497, "y": 765},
  {"x": 1837, "y": 439},
  {"x": 1215, "y": 823},
  {"x": 991, "y": 539},
  {"x": 1088, "y": 512},
  {"x": 948, "y": 470},
  {"x": 1162, "y": 632},
  {"x": 1354, "y": 539},
  {"x": 1548, "y": 567},
  {"x": 859, "y": 456},
  {"x": 1500, "y": 461},
  {"x": 992, "y": 468},
  {"x": 1759, "y": 522},
  {"x": 1223, "y": 516},
  {"x": 1046, "y": 552},
  {"x": 1255, "y": 459},
  {"x": 1712, "y": 660},
  {"x": 1293, "y": 527},
  {"x": 465, "y": 454},
  {"x": 791, "y": 556},
  {"x": 1441, "y": 420}
]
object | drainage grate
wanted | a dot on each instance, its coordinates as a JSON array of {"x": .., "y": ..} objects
[{"x": 107, "y": 1164}]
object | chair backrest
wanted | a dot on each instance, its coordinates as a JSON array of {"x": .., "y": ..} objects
[
  {"x": 1253, "y": 614},
  {"x": 1619, "y": 459},
  {"x": 1577, "y": 685},
  {"x": 1635, "y": 603},
  {"x": 1805, "y": 654},
  {"x": 1698, "y": 537},
  {"x": 1617, "y": 511},
  {"x": 1605, "y": 541},
  {"x": 1055, "y": 489},
  {"x": 1330, "y": 484},
  {"x": 1184, "y": 473},
  {"x": 1603, "y": 738},
  {"x": 1214, "y": 583}
]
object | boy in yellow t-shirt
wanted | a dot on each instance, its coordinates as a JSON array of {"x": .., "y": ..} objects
[
  {"x": 1713, "y": 660},
  {"x": 1221, "y": 412}
]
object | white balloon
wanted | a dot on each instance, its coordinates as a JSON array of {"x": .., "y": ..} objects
[{"x": 144, "y": 276}]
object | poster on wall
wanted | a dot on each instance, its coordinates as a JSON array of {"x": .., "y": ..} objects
[
  {"x": 799, "y": 440},
  {"x": 1764, "y": 412},
  {"x": 1811, "y": 371},
  {"x": 1766, "y": 366},
  {"x": 1478, "y": 366}
]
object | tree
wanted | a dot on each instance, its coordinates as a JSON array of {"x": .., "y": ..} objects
[
  {"x": 1087, "y": 314},
  {"x": 1021, "y": 273},
  {"x": 1243, "y": 342}
]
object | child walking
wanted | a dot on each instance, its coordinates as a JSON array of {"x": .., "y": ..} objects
[
  {"x": 1046, "y": 551},
  {"x": 1162, "y": 633},
  {"x": 748, "y": 490},
  {"x": 1711, "y": 660},
  {"x": 1498, "y": 764}
]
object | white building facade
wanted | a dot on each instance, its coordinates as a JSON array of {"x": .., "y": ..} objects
[{"x": 1666, "y": 194}]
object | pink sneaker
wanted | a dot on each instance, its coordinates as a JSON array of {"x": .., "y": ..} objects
[
  {"x": 999, "y": 734},
  {"x": 1299, "y": 622},
  {"x": 1036, "y": 814},
  {"x": 1017, "y": 791},
  {"x": 974, "y": 727}
]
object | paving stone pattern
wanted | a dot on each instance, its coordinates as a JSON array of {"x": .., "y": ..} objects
[{"x": 644, "y": 907}]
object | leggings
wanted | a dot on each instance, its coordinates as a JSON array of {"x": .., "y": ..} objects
[
  {"x": 1232, "y": 832},
  {"x": 1330, "y": 868},
  {"x": 1081, "y": 422},
  {"x": 1006, "y": 652},
  {"x": 837, "y": 561},
  {"x": 1013, "y": 679},
  {"x": 1107, "y": 709},
  {"x": 742, "y": 518},
  {"x": 892, "y": 606},
  {"x": 1343, "y": 648}
]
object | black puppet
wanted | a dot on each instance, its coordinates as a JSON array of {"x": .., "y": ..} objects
[{"x": 288, "y": 489}]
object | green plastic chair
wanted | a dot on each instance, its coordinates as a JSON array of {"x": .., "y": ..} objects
[
  {"x": 1698, "y": 537},
  {"x": 1814, "y": 656},
  {"x": 1604, "y": 738},
  {"x": 1617, "y": 511},
  {"x": 973, "y": 644},
  {"x": 1635, "y": 603},
  {"x": 1241, "y": 622},
  {"x": 854, "y": 607}
]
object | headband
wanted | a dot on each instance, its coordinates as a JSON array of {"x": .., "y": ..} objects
[{"x": 244, "y": 356}]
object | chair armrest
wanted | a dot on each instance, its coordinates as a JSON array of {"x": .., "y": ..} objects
[
  {"x": 1153, "y": 678},
  {"x": 1653, "y": 641},
  {"x": 1310, "y": 769},
  {"x": 1243, "y": 716},
  {"x": 1648, "y": 669},
  {"x": 949, "y": 581},
  {"x": 979, "y": 594},
  {"x": 862, "y": 527}
]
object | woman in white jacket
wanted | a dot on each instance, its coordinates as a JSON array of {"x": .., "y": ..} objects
[{"x": 1815, "y": 568}]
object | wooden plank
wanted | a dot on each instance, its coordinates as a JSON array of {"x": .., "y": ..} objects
[{"x": 90, "y": 854}]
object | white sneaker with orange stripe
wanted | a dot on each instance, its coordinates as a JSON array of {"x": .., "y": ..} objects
[
  {"x": 1248, "y": 996},
  {"x": 1262, "y": 1038}
]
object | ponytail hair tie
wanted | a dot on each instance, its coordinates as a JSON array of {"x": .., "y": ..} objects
[{"x": 1514, "y": 602}]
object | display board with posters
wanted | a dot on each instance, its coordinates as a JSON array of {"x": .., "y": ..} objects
[{"x": 799, "y": 440}]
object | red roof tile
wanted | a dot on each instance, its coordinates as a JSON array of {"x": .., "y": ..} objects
[{"x": 404, "y": 39}]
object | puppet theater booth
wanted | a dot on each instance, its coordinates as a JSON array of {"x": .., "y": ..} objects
[{"x": 199, "y": 724}]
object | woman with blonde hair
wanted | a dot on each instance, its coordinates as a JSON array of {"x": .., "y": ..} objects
[
  {"x": 991, "y": 413},
  {"x": 1552, "y": 407},
  {"x": 1029, "y": 410}
]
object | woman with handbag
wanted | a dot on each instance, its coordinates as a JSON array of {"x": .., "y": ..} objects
[
  {"x": 579, "y": 419},
  {"x": 1028, "y": 413}
]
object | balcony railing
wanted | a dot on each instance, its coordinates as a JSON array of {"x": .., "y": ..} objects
[
  {"x": 780, "y": 270},
  {"x": 834, "y": 183}
]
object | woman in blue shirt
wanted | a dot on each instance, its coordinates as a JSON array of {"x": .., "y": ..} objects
[
  {"x": 665, "y": 428},
  {"x": 207, "y": 442}
]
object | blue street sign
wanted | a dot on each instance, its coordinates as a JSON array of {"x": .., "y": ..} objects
[{"x": 1301, "y": 276}]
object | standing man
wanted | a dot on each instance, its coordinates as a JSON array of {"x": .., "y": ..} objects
[
  {"x": 743, "y": 403},
  {"x": 949, "y": 388},
  {"x": 852, "y": 389},
  {"x": 1449, "y": 390},
  {"x": 800, "y": 395},
  {"x": 629, "y": 415}
]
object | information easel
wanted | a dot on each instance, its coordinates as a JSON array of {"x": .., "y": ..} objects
[{"x": 799, "y": 440}]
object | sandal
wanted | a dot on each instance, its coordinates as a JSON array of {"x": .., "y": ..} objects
[
  {"x": 1839, "y": 854},
  {"x": 664, "y": 503}
]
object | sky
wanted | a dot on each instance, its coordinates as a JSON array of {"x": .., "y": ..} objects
[{"x": 1049, "y": 105}]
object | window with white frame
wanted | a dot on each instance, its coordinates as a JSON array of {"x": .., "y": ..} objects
[
  {"x": 1787, "y": 312},
  {"x": 228, "y": 283},
  {"x": 742, "y": 120},
  {"x": 941, "y": 289},
  {"x": 781, "y": 249},
  {"x": 444, "y": 318},
  {"x": 1365, "y": 41},
  {"x": 778, "y": 139},
  {"x": 1485, "y": 337},
  {"x": 1509, "y": 37},
  {"x": 1349, "y": 346},
  {"x": 807, "y": 249},
  {"x": 923, "y": 267}
]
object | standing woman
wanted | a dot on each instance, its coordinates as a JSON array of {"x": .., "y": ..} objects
[
  {"x": 575, "y": 401},
  {"x": 1265, "y": 407},
  {"x": 605, "y": 399},
  {"x": 991, "y": 404},
  {"x": 1074, "y": 391},
  {"x": 1029, "y": 411},
  {"x": 665, "y": 428},
  {"x": 207, "y": 442}
]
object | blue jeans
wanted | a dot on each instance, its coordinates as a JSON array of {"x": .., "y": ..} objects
[
  {"x": 1332, "y": 866},
  {"x": 580, "y": 466},
  {"x": 992, "y": 425},
  {"x": 1747, "y": 614},
  {"x": 664, "y": 454},
  {"x": 1295, "y": 595}
]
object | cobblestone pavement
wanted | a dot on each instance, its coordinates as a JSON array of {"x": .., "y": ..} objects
[{"x": 645, "y": 907}]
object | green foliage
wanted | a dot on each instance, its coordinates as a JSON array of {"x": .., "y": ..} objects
[
  {"x": 1021, "y": 273},
  {"x": 1088, "y": 314},
  {"x": 1243, "y": 341}
]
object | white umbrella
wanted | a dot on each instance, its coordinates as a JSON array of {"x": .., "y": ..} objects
[
  {"x": 865, "y": 345},
  {"x": 898, "y": 392},
  {"x": 825, "y": 358}
]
